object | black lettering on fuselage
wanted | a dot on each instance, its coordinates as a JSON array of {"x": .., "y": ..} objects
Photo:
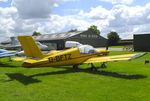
[
  {"x": 51, "y": 59},
  {"x": 60, "y": 58}
]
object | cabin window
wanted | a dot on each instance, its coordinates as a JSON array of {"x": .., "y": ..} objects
[{"x": 87, "y": 49}]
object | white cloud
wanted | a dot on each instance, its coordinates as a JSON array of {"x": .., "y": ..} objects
[
  {"x": 69, "y": 0},
  {"x": 6, "y": 22},
  {"x": 121, "y": 18},
  {"x": 119, "y": 1},
  {"x": 3, "y": 0},
  {"x": 126, "y": 20},
  {"x": 34, "y": 8},
  {"x": 97, "y": 13},
  {"x": 28, "y": 9},
  {"x": 58, "y": 23}
]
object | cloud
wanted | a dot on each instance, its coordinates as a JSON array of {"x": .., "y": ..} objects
[
  {"x": 119, "y": 1},
  {"x": 3, "y": 0},
  {"x": 30, "y": 9},
  {"x": 26, "y": 16},
  {"x": 69, "y": 0},
  {"x": 6, "y": 22},
  {"x": 57, "y": 23},
  {"x": 97, "y": 13},
  {"x": 121, "y": 18}
]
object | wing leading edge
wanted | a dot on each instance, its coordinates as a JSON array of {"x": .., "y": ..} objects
[{"x": 113, "y": 58}]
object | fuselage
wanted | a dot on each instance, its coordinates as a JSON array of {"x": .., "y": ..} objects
[{"x": 71, "y": 56}]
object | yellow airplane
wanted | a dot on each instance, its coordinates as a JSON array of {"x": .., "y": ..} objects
[{"x": 73, "y": 56}]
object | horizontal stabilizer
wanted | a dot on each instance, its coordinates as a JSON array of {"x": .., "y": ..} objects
[{"x": 18, "y": 58}]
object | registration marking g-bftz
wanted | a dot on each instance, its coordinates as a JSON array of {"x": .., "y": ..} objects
[{"x": 60, "y": 58}]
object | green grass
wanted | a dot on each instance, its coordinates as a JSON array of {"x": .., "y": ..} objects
[{"x": 120, "y": 81}]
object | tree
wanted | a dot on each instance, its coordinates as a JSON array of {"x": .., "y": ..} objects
[
  {"x": 113, "y": 38},
  {"x": 36, "y": 33},
  {"x": 94, "y": 29},
  {"x": 73, "y": 30}
]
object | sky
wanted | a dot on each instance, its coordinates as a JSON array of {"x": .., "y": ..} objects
[{"x": 23, "y": 17}]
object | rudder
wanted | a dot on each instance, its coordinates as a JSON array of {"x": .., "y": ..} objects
[{"x": 30, "y": 47}]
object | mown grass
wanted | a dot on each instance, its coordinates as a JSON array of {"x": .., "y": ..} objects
[{"x": 120, "y": 81}]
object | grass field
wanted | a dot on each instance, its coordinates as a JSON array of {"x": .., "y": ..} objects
[{"x": 120, "y": 81}]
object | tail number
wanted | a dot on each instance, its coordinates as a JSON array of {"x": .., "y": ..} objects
[{"x": 60, "y": 58}]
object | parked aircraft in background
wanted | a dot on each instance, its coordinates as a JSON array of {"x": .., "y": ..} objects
[
  {"x": 71, "y": 44},
  {"x": 5, "y": 53},
  {"x": 15, "y": 45},
  {"x": 84, "y": 54},
  {"x": 41, "y": 46}
]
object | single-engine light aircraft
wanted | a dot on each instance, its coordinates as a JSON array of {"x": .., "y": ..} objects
[{"x": 73, "y": 56}]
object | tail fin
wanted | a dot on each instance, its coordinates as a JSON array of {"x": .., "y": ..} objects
[{"x": 30, "y": 47}]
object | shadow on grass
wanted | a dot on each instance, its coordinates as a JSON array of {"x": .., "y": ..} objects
[
  {"x": 22, "y": 78},
  {"x": 29, "y": 79},
  {"x": 101, "y": 72},
  {"x": 119, "y": 75}
]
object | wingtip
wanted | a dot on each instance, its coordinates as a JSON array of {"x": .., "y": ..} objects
[{"x": 138, "y": 55}]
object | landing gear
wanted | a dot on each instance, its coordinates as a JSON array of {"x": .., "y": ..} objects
[
  {"x": 103, "y": 65},
  {"x": 93, "y": 68},
  {"x": 75, "y": 67},
  {"x": 10, "y": 59}
]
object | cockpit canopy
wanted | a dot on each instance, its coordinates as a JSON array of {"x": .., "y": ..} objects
[{"x": 87, "y": 49}]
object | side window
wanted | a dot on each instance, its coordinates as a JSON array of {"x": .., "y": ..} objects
[{"x": 86, "y": 49}]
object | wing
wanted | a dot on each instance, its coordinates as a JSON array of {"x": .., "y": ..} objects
[
  {"x": 6, "y": 55},
  {"x": 113, "y": 58}
]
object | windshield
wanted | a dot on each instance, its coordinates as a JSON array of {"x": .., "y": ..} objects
[{"x": 87, "y": 49}]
